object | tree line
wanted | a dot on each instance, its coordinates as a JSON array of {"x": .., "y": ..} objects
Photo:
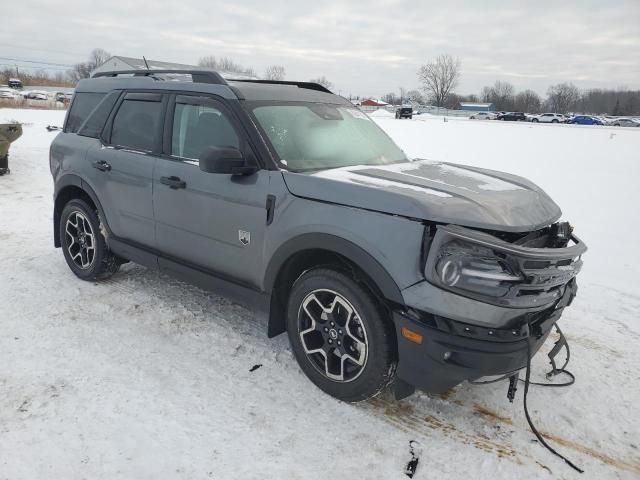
[
  {"x": 440, "y": 77},
  {"x": 98, "y": 56}
]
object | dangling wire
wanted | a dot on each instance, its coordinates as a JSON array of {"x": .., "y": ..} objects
[{"x": 527, "y": 382}]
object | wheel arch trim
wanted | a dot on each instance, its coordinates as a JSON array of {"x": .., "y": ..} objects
[
  {"x": 340, "y": 246},
  {"x": 72, "y": 180},
  {"x": 328, "y": 243}
]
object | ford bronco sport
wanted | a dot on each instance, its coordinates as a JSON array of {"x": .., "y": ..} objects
[{"x": 383, "y": 270}]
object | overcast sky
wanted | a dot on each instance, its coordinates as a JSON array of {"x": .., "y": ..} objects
[{"x": 367, "y": 47}]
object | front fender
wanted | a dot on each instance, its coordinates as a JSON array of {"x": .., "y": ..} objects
[{"x": 335, "y": 244}]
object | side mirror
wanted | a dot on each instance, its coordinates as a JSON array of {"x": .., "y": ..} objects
[{"x": 225, "y": 160}]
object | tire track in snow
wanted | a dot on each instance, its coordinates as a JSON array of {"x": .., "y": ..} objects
[{"x": 405, "y": 418}]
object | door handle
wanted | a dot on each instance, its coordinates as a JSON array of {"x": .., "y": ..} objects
[
  {"x": 102, "y": 166},
  {"x": 173, "y": 182}
]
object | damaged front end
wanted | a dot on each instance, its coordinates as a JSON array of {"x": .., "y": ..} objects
[{"x": 487, "y": 297}]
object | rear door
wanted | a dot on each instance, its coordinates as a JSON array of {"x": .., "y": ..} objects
[
  {"x": 124, "y": 164},
  {"x": 215, "y": 222}
]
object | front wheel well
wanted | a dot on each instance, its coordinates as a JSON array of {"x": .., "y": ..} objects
[
  {"x": 301, "y": 262},
  {"x": 65, "y": 195}
]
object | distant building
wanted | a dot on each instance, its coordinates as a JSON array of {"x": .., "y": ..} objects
[
  {"x": 371, "y": 105},
  {"x": 117, "y": 63},
  {"x": 477, "y": 107},
  {"x": 369, "y": 102}
]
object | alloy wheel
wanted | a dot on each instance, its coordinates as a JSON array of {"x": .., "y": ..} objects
[
  {"x": 81, "y": 243},
  {"x": 333, "y": 335}
]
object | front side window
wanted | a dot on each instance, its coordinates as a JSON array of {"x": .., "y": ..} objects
[
  {"x": 136, "y": 124},
  {"x": 314, "y": 136},
  {"x": 198, "y": 127}
]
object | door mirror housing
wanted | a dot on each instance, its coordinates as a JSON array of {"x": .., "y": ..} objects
[{"x": 225, "y": 160}]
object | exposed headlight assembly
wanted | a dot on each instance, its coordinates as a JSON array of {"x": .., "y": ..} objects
[
  {"x": 474, "y": 269},
  {"x": 482, "y": 266}
]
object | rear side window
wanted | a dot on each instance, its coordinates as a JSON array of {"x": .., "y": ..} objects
[
  {"x": 95, "y": 123},
  {"x": 136, "y": 125},
  {"x": 83, "y": 104}
]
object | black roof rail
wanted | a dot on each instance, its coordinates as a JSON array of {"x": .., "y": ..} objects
[
  {"x": 197, "y": 76},
  {"x": 308, "y": 85}
]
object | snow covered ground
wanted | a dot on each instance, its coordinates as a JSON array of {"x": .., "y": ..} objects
[{"x": 145, "y": 377}]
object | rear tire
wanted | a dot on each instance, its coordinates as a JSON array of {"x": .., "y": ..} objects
[
  {"x": 83, "y": 245},
  {"x": 341, "y": 337}
]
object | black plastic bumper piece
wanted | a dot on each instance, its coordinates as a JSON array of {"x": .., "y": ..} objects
[{"x": 444, "y": 360}]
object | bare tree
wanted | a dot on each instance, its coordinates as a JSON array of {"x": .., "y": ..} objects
[
  {"x": 501, "y": 94},
  {"x": 440, "y": 77},
  {"x": 322, "y": 81},
  {"x": 563, "y": 97},
  {"x": 98, "y": 56},
  {"x": 274, "y": 72},
  {"x": 414, "y": 96},
  {"x": 527, "y": 101},
  {"x": 391, "y": 98},
  {"x": 403, "y": 94},
  {"x": 208, "y": 61},
  {"x": 225, "y": 64},
  {"x": 83, "y": 69}
]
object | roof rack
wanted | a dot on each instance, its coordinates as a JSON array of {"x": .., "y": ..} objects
[
  {"x": 308, "y": 85},
  {"x": 197, "y": 76}
]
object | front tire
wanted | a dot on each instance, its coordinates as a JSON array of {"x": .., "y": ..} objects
[
  {"x": 341, "y": 337},
  {"x": 83, "y": 244}
]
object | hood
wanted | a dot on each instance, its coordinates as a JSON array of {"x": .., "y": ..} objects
[{"x": 433, "y": 191}]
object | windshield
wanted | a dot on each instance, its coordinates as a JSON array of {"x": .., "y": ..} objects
[{"x": 313, "y": 136}]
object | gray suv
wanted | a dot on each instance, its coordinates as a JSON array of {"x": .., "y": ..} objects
[{"x": 383, "y": 270}]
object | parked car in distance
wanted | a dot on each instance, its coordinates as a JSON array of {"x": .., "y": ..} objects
[
  {"x": 15, "y": 84},
  {"x": 512, "y": 117},
  {"x": 585, "y": 120},
  {"x": 383, "y": 270},
  {"x": 63, "y": 97},
  {"x": 483, "y": 116},
  {"x": 36, "y": 95},
  {"x": 7, "y": 93},
  {"x": 549, "y": 118},
  {"x": 627, "y": 122},
  {"x": 608, "y": 119},
  {"x": 404, "y": 112}
]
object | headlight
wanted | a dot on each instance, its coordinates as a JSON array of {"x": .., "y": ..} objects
[{"x": 472, "y": 268}]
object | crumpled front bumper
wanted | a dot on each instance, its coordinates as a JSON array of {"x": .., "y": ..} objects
[{"x": 480, "y": 340}]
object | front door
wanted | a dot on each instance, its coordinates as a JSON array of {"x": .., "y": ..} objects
[{"x": 215, "y": 222}]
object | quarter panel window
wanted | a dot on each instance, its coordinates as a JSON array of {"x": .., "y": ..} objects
[
  {"x": 136, "y": 124},
  {"x": 83, "y": 104},
  {"x": 198, "y": 127}
]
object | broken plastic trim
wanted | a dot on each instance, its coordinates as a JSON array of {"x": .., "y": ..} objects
[{"x": 522, "y": 277}]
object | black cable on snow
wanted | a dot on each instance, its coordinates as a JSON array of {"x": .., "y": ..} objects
[{"x": 527, "y": 382}]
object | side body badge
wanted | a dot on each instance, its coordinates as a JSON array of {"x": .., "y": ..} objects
[{"x": 244, "y": 237}]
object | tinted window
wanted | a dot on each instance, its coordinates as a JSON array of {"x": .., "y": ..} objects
[
  {"x": 136, "y": 124},
  {"x": 197, "y": 127},
  {"x": 95, "y": 123},
  {"x": 83, "y": 104}
]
